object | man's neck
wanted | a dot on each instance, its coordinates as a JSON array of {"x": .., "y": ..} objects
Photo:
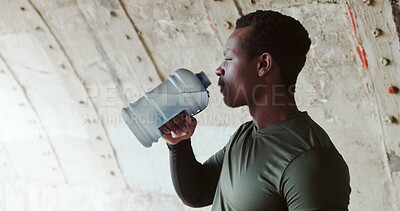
[{"x": 266, "y": 115}]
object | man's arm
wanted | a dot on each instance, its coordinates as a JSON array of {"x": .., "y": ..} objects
[
  {"x": 317, "y": 180},
  {"x": 195, "y": 183}
]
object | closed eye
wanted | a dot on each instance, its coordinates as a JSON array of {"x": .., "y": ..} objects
[{"x": 226, "y": 59}]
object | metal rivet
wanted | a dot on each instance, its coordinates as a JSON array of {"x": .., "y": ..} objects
[
  {"x": 113, "y": 14},
  {"x": 390, "y": 119},
  {"x": 368, "y": 2},
  {"x": 228, "y": 25},
  {"x": 377, "y": 32},
  {"x": 385, "y": 61}
]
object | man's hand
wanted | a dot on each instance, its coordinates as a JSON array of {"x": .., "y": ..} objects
[{"x": 181, "y": 123}]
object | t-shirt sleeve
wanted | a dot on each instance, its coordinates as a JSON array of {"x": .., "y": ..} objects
[
  {"x": 195, "y": 183},
  {"x": 318, "y": 179}
]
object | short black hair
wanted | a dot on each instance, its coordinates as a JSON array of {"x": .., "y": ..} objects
[{"x": 282, "y": 36}]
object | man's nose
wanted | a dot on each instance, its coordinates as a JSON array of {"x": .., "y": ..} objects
[{"x": 220, "y": 71}]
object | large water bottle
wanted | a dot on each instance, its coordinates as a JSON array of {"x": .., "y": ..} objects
[{"x": 182, "y": 91}]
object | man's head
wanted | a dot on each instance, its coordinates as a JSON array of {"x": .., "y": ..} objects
[
  {"x": 266, "y": 49},
  {"x": 281, "y": 36}
]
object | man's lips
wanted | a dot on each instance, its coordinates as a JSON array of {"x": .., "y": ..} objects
[
  {"x": 221, "y": 89},
  {"x": 221, "y": 86}
]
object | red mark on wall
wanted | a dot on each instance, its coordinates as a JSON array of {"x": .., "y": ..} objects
[
  {"x": 359, "y": 47},
  {"x": 393, "y": 90},
  {"x": 212, "y": 25},
  {"x": 367, "y": 85},
  {"x": 208, "y": 20}
]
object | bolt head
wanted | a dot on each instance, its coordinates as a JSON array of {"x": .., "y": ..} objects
[
  {"x": 377, "y": 32},
  {"x": 390, "y": 119},
  {"x": 368, "y": 2},
  {"x": 113, "y": 14},
  {"x": 385, "y": 61},
  {"x": 228, "y": 25}
]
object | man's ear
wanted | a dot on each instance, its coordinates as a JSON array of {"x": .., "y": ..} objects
[{"x": 264, "y": 64}]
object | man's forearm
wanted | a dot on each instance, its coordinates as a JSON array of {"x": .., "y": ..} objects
[{"x": 194, "y": 183}]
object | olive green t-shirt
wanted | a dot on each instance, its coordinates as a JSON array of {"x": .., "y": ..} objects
[{"x": 289, "y": 165}]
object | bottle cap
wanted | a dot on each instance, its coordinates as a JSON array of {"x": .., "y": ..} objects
[{"x": 204, "y": 79}]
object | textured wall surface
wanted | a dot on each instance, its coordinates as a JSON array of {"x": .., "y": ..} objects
[{"x": 67, "y": 67}]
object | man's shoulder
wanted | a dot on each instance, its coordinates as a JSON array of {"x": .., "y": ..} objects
[
  {"x": 246, "y": 126},
  {"x": 307, "y": 131}
]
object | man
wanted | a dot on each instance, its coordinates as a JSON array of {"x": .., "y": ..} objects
[{"x": 281, "y": 160}]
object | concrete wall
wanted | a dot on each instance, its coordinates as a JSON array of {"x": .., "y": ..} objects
[{"x": 67, "y": 67}]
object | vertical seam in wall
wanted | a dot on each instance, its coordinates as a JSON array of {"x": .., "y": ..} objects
[
  {"x": 144, "y": 44},
  {"x": 80, "y": 79},
  {"x": 37, "y": 116},
  {"x": 239, "y": 9}
]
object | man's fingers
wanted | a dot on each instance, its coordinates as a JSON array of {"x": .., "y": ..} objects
[
  {"x": 179, "y": 119},
  {"x": 174, "y": 140},
  {"x": 191, "y": 121},
  {"x": 181, "y": 123},
  {"x": 167, "y": 137},
  {"x": 172, "y": 127},
  {"x": 165, "y": 129},
  {"x": 185, "y": 129}
]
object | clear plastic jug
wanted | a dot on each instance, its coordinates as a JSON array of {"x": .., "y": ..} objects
[{"x": 182, "y": 91}]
